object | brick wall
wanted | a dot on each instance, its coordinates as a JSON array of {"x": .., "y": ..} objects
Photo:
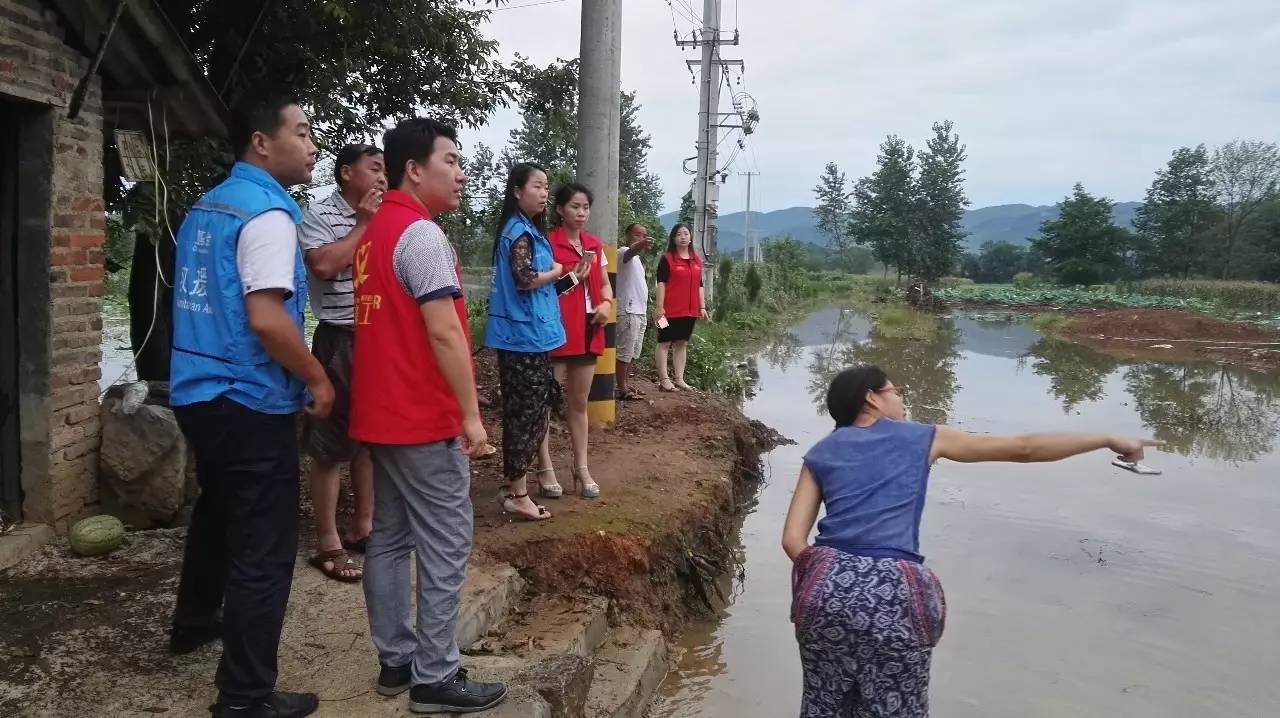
[{"x": 38, "y": 66}]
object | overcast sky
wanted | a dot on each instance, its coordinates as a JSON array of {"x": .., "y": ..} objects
[{"x": 1044, "y": 93}]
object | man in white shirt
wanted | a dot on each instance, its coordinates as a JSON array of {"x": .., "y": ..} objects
[
  {"x": 633, "y": 307},
  {"x": 240, "y": 371},
  {"x": 330, "y": 232}
]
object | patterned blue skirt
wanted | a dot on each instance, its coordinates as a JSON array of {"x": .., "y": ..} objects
[{"x": 866, "y": 629}]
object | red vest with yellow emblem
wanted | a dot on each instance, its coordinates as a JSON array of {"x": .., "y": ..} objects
[{"x": 398, "y": 395}]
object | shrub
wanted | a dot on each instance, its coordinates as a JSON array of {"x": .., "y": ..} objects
[
  {"x": 1258, "y": 296},
  {"x": 905, "y": 323},
  {"x": 1024, "y": 280},
  {"x": 754, "y": 283}
]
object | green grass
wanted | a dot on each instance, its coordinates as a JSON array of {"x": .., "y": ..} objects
[
  {"x": 905, "y": 323},
  {"x": 1050, "y": 324}
]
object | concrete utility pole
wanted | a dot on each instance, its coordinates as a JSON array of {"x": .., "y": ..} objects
[
  {"x": 750, "y": 250},
  {"x": 599, "y": 133},
  {"x": 705, "y": 188}
]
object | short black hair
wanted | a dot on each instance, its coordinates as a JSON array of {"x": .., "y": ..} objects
[
  {"x": 566, "y": 192},
  {"x": 257, "y": 112},
  {"x": 848, "y": 393},
  {"x": 349, "y": 155},
  {"x": 412, "y": 139}
]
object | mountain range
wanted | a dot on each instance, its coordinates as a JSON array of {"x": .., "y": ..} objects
[{"x": 1015, "y": 223}]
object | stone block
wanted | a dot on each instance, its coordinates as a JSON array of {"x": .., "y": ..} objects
[{"x": 144, "y": 460}]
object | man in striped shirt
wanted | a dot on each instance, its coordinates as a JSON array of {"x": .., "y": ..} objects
[{"x": 330, "y": 232}]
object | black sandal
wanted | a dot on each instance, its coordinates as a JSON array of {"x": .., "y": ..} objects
[{"x": 508, "y": 507}]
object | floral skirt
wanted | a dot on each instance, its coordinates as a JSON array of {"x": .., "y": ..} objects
[
  {"x": 866, "y": 629},
  {"x": 529, "y": 390}
]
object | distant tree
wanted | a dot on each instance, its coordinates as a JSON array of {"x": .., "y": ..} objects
[
  {"x": 471, "y": 226},
  {"x": 971, "y": 265},
  {"x": 937, "y": 237},
  {"x": 883, "y": 205},
  {"x": 642, "y": 188},
  {"x": 753, "y": 283},
  {"x": 687, "y": 209},
  {"x": 1178, "y": 216},
  {"x": 832, "y": 212},
  {"x": 1083, "y": 245},
  {"x": 997, "y": 262},
  {"x": 788, "y": 258},
  {"x": 1263, "y": 242},
  {"x": 1246, "y": 174},
  {"x": 548, "y": 131},
  {"x": 856, "y": 260}
]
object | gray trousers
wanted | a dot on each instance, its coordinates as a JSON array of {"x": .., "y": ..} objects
[{"x": 421, "y": 500}]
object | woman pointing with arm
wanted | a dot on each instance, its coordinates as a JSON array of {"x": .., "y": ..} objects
[{"x": 867, "y": 612}]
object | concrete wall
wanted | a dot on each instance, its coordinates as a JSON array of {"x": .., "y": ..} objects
[{"x": 60, "y": 423}]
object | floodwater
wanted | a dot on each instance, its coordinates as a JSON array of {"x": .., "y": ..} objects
[{"x": 1074, "y": 589}]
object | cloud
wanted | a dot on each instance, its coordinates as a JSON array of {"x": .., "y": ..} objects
[{"x": 1044, "y": 94}]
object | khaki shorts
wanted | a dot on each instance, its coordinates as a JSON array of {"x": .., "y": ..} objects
[{"x": 630, "y": 336}]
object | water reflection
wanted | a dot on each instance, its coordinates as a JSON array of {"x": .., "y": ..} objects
[
  {"x": 1203, "y": 410},
  {"x": 925, "y": 370},
  {"x": 1076, "y": 374},
  {"x": 1207, "y": 409},
  {"x": 783, "y": 351}
]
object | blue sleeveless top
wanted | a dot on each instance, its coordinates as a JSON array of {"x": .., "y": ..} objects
[{"x": 873, "y": 482}]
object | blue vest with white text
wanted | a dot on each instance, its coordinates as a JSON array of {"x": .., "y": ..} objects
[
  {"x": 520, "y": 320},
  {"x": 215, "y": 352}
]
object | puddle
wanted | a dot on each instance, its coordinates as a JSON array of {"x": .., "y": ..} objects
[{"x": 1074, "y": 589}]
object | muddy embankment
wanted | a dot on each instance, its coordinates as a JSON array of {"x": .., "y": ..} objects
[
  {"x": 1158, "y": 334},
  {"x": 1172, "y": 335}
]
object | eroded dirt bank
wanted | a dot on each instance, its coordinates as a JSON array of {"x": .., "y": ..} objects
[{"x": 1171, "y": 335}]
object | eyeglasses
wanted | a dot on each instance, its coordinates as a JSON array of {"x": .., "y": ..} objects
[{"x": 893, "y": 389}]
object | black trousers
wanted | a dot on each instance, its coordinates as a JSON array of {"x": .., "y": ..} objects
[{"x": 243, "y": 539}]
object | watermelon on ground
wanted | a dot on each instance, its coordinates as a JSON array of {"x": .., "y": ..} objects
[{"x": 96, "y": 535}]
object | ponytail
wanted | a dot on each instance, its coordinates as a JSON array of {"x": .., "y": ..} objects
[{"x": 848, "y": 393}]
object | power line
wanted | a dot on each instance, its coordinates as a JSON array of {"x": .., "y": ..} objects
[
  {"x": 693, "y": 15},
  {"x": 685, "y": 14}
]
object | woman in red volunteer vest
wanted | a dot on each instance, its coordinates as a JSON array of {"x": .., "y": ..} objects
[
  {"x": 586, "y": 300},
  {"x": 680, "y": 303}
]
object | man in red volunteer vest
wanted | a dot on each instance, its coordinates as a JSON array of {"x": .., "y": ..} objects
[{"x": 413, "y": 402}]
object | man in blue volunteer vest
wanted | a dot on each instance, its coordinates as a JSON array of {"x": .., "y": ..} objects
[{"x": 239, "y": 370}]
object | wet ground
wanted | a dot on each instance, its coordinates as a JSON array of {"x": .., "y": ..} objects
[{"x": 1074, "y": 589}]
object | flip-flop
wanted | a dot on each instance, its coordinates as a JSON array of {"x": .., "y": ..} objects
[{"x": 335, "y": 559}]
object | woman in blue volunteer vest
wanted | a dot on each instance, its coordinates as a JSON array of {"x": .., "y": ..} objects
[
  {"x": 238, "y": 370},
  {"x": 523, "y": 327},
  {"x": 867, "y": 612}
]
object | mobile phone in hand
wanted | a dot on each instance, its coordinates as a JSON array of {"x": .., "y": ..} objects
[{"x": 1135, "y": 467}]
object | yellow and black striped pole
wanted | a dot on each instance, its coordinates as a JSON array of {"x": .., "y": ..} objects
[{"x": 600, "y": 401}]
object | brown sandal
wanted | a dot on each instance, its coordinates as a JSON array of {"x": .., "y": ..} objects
[{"x": 334, "y": 558}]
